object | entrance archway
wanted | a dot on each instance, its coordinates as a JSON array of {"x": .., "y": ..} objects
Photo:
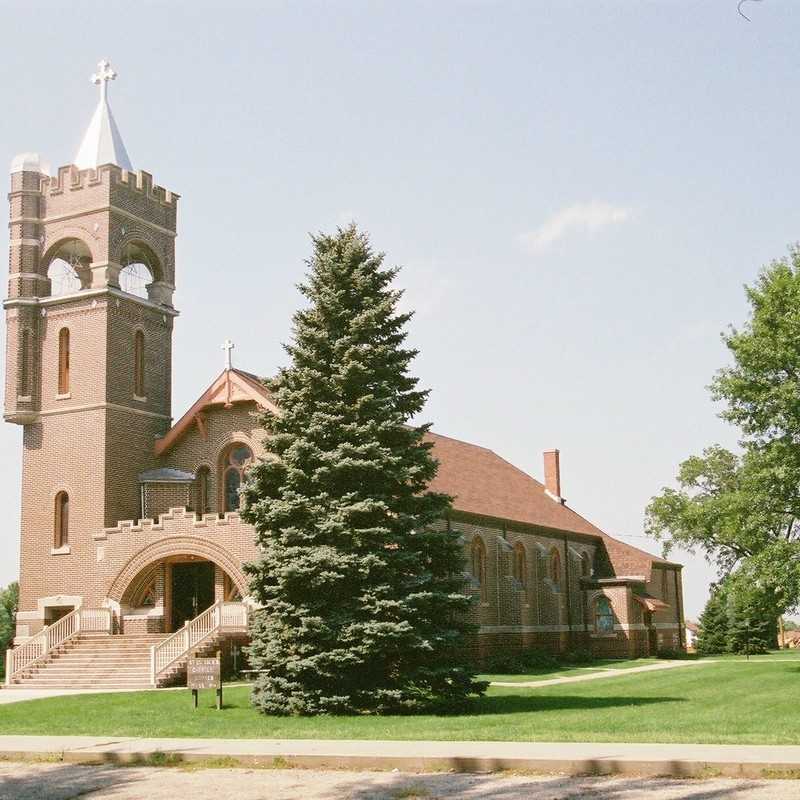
[{"x": 170, "y": 582}]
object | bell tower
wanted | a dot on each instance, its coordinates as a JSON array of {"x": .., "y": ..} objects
[{"x": 89, "y": 320}]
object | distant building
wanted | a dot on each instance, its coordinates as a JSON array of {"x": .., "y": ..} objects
[{"x": 692, "y": 631}]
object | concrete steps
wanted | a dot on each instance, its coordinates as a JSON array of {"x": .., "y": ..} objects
[{"x": 95, "y": 662}]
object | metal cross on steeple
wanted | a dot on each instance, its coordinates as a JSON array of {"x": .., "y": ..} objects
[
  {"x": 104, "y": 74},
  {"x": 228, "y": 347}
]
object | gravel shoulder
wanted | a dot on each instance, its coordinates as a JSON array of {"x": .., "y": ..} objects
[{"x": 58, "y": 781}]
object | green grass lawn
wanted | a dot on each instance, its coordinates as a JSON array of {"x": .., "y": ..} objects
[{"x": 724, "y": 702}]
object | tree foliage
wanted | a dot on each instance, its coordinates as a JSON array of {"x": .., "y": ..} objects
[
  {"x": 712, "y": 637},
  {"x": 738, "y": 618},
  {"x": 361, "y": 591},
  {"x": 9, "y": 601},
  {"x": 743, "y": 510}
]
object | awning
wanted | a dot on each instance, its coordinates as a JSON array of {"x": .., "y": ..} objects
[
  {"x": 166, "y": 475},
  {"x": 650, "y": 603}
]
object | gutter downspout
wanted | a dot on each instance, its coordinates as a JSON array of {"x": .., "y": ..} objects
[
  {"x": 679, "y": 611},
  {"x": 566, "y": 579}
]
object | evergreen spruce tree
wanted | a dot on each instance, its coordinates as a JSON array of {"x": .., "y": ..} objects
[
  {"x": 712, "y": 638},
  {"x": 361, "y": 593},
  {"x": 752, "y": 617}
]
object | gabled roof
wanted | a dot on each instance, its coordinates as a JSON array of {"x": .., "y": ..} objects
[
  {"x": 231, "y": 386},
  {"x": 485, "y": 484},
  {"x": 481, "y": 482}
]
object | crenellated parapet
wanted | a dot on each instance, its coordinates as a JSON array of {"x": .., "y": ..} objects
[{"x": 175, "y": 520}]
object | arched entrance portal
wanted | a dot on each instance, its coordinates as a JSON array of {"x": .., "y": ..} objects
[{"x": 167, "y": 593}]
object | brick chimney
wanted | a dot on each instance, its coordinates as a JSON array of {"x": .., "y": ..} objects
[{"x": 552, "y": 475}]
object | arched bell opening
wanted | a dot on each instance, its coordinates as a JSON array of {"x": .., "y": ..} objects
[
  {"x": 166, "y": 594},
  {"x": 141, "y": 272},
  {"x": 68, "y": 267}
]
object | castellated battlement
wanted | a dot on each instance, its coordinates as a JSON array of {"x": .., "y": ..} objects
[
  {"x": 70, "y": 178},
  {"x": 176, "y": 520}
]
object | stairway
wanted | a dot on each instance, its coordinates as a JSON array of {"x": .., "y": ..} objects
[{"x": 96, "y": 661}]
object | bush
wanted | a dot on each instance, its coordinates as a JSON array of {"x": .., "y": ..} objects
[
  {"x": 505, "y": 664},
  {"x": 538, "y": 659},
  {"x": 578, "y": 656},
  {"x": 671, "y": 655}
]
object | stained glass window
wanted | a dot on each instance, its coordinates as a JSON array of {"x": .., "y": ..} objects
[
  {"x": 603, "y": 616},
  {"x": 239, "y": 457}
]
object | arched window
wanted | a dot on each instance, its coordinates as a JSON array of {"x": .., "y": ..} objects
[
  {"x": 237, "y": 460},
  {"x": 61, "y": 533},
  {"x": 63, "y": 361},
  {"x": 137, "y": 270},
  {"x": 603, "y": 615},
  {"x": 555, "y": 567},
  {"x": 138, "y": 364},
  {"x": 202, "y": 505},
  {"x": 63, "y": 277},
  {"x": 25, "y": 363},
  {"x": 134, "y": 279},
  {"x": 664, "y": 584},
  {"x": 68, "y": 267},
  {"x": 520, "y": 564},
  {"x": 149, "y": 596},
  {"x": 478, "y": 552}
]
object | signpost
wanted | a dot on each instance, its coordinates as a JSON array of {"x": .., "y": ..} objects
[{"x": 205, "y": 673}]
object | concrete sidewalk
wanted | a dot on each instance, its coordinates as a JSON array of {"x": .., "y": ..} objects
[
  {"x": 602, "y": 672},
  {"x": 682, "y": 760}
]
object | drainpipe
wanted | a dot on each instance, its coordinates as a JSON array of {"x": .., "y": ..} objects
[
  {"x": 497, "y": 576},
  {"x": 566, "y": 580},
  {"x": 679, "y": 610}
]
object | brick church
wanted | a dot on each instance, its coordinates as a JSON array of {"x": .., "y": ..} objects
[{"x": 131, "y": 544}]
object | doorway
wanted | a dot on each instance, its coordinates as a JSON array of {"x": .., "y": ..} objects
[{"x": 192, "y": 590}]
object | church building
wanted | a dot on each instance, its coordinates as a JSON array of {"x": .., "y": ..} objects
[{"x": 131, "y": 542}]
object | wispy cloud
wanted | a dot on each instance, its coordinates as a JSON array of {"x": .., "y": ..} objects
[{"x": 581, "y": 217}]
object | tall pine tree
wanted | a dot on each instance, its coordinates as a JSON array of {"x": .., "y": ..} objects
[
  {"x": 714, "y": 623},
  {"x": 361, "y": 598}
]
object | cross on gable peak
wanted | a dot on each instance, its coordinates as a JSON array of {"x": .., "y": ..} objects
[{"x": 228, "y": 347}]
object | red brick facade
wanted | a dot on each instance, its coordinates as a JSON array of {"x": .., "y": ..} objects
[{"x": 540, "y": 573}]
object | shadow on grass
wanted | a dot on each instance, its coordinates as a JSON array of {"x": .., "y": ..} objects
[{"x": 530, "y": 703}]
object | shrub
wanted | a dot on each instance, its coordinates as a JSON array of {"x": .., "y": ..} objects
[{"x": 578, "y": 656}]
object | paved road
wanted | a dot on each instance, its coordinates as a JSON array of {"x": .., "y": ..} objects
[{"x": 68, "y": 782}]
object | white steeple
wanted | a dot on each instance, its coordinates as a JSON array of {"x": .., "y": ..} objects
[{"x": 102, "y": 143}]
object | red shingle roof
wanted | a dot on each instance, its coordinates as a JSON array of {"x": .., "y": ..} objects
[{"x": 484, "y": 484}]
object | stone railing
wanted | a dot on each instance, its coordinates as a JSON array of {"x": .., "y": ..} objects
[
  {"x": 38, "y": 647},
  {"x": 220, "y": 618}
]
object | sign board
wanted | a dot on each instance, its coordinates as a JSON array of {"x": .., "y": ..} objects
[{"x": 204, "y": 673}]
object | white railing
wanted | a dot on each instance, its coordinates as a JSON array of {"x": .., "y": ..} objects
[
  {"x": 218, "y": 618},
  {"x": 81, "y": 620}
]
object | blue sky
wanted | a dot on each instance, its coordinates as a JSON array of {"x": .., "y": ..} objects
[{"x": 577, "y": 192}]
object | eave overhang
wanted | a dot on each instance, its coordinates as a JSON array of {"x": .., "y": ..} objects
[{"x": 229, "y": 388}]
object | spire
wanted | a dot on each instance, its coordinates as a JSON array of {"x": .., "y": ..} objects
[{"x": 102, "y": 143}]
